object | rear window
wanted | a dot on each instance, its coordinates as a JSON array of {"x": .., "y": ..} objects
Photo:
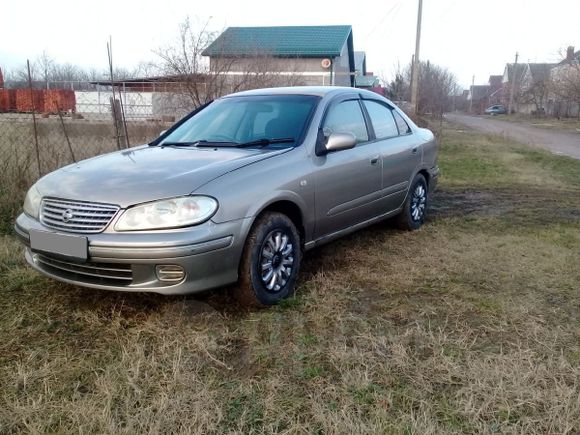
[
  {"x": 382, "y": 120},
  {"x": 401, "y": 123}
]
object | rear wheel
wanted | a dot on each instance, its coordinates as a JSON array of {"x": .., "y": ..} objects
[
  {"x": 415, "y": 208},
  {"x": 270, "y": 261}
]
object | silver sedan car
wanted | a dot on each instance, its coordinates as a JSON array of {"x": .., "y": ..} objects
[{"x": 234, "y": 192}]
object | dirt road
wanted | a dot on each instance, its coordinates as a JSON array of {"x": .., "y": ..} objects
[{"x": 558, "y": 142}]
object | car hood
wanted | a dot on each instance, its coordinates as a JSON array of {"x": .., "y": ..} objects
[{"x": 146, "y": 173}]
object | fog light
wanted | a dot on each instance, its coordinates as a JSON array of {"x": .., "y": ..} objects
[{"x": 169, "y": 272}]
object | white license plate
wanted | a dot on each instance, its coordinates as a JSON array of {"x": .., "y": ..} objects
[{"x": 73, "y": 247}]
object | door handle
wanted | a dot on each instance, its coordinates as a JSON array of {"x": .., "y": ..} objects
[
  {"x": 374, "y": 160},
  {"x": 415, "y": 150}
]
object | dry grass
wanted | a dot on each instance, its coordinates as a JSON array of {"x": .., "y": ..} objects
[{"x": 471, "y": 324}]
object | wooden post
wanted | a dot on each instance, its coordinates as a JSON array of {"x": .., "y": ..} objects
[
  {"x": 118, "y": 120},
  {"x": 513, "y": 86},
  {"x": 34, "y": 118},
  {"x": 65, "y": 133},
  {"x": 416, "y": 63}
]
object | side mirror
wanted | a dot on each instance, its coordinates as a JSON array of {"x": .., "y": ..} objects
[{"x": 340, "y": 141}]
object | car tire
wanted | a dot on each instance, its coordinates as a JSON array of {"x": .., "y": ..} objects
[
  {"x": 270, "y": 262},
  {"x": 414, "y": 210}
]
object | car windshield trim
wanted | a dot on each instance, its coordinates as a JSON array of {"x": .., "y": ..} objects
[{"x": 293, "y": 134}]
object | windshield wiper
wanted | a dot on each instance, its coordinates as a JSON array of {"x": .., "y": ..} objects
[
  {"x": 264, "y": 142},
  {"x": 197, "y": 143},
  {"x": 208, "y": 143},
  {"x": 179, "y": 144}
]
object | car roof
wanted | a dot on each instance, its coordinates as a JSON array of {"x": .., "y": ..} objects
[{"x": 319, "y": 91}]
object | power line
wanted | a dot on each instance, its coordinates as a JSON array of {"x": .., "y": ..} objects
[{"x": 395, "y": 7}]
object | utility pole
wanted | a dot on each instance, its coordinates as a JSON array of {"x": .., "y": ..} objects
[
  {"x": 415, "y": 76},
  {"x": 471, "y": 99},
  {"x": 513, "y": 85}
]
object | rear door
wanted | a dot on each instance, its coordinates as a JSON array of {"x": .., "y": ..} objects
[
  {"x": 348, "y": 182},
  {"x": 400, "y": 153}
]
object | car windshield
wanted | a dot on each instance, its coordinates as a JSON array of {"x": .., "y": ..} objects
[{"x": 251, "y": 121}]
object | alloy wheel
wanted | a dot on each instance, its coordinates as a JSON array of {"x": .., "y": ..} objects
[
  {"x": 276, "y": 260},
  {"x": 418, "y": 202}
]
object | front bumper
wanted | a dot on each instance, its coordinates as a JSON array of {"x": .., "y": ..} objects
[{"x": 208, "y": 253}]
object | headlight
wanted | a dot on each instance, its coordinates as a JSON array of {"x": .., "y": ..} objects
[
  {"x": 32, "y": 202},
  {"x": 169, "y": 213}
]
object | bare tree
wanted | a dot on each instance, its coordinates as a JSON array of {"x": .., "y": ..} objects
[
  {"x": 147, "y": 69},
  {"x": 565, "y": 85},
  {"x": 437, "y": 86},
  {"x": 46, "y": 73},
  {"x": 536, "y": 93},
  {"x": 202, "y": 80},
  {"x": 18, "y": 77},
  {"x": 398, "y": 88},
  {"x": 45, "y": 63},
  {"x": 67, "y": 72}
]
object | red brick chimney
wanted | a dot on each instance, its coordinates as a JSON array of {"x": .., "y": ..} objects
[{"x": 570, "y": 54}]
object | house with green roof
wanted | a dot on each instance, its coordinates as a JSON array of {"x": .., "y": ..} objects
[
  {"x": 360, "y": 63},
  {"x": 319, "y": 55},
  {"x": 367, "y": 81}
]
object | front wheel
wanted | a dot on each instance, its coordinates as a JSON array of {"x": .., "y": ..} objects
[
  {"x": 270, "y": 262},
  {"x": 414, "y": 210}
]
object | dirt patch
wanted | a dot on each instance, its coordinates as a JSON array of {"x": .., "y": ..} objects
[{"x": 536, "y": 206}]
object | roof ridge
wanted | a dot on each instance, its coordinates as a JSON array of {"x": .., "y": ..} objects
[
  {"x": 281, "y": 41},
  {"x": 298, "y": 25}
]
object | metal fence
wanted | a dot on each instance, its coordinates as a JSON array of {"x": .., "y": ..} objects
[{"x": 36, "y": 139}]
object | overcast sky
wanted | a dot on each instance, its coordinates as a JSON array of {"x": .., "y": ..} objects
[{"x": 470, "y": 37}]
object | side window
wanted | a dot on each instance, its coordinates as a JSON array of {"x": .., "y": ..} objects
[
  {"x": 346, "y": 117},
  {"x": 382, "y": 119},
  {"x": 401, "y": 123}
]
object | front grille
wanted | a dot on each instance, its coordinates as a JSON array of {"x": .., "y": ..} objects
[
  {"x": 119, "y": 274},
  {"x": 76, "y": 216}
]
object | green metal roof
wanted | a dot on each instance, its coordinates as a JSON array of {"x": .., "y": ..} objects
[{"x": 282, "y": 41}]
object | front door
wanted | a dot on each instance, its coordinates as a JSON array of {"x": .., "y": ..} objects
[{"x": 348, "y": 182}]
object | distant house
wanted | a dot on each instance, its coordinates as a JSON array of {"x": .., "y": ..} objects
[
  {"x": 367, "y": 82},
  {"x": 530, "y": 89},
  {"x": 320, "y": 55},
  {"x": 360, "y": 63},
  {"x": 496, "y": 90},
  {"x": 533, "y": 90},
  {"x": 365, "y": 79},
  {"x": 512, "y": 79},
  {"x": 478, "y": 98}
]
